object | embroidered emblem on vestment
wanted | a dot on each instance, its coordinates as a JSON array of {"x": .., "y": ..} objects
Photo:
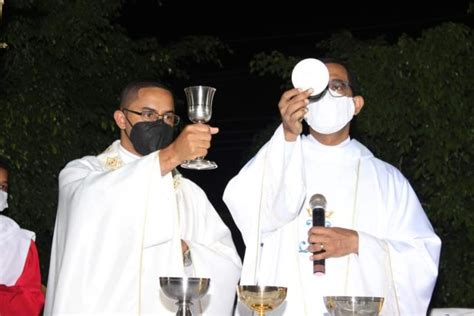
[{"x": 113, "y": 163}]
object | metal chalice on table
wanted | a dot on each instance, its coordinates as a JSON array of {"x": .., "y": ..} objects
[
  {"x": 184, "y": 291},
  {"x": 353, "y": 305},
  {"x": 261, "y": 299}
]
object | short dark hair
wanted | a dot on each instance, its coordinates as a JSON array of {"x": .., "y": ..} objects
[
  {"x": 4, "y": 164},
  {"x": 130, "y": 92},
  {"x": 350, "y": 74}
]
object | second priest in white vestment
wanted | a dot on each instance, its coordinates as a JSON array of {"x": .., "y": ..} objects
[{"x": 378, "y": 240}]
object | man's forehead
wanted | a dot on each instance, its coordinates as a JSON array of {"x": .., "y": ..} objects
[
  {"x": 152, "y": 91},
  {"x": 337, "y": 71},
  {"x": 152, "y": 97}
]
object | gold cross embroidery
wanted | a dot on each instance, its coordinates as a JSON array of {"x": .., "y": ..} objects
[{"x": 113, "y": 163}]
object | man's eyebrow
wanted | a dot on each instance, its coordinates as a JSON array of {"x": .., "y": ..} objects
[
  {"x": 147, "y": 108},
  {"x": 150, "y": 109}
]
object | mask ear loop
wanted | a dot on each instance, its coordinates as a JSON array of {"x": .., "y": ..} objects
[{"x": 125, "y": 115}]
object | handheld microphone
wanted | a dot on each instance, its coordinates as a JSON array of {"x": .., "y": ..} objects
[{"x": 318, "y": 205}]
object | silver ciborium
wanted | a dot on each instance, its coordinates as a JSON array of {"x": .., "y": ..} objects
[
  {"x": 353, "y": 305},
  {"x": 261, "y": 299},
  {"x": 199, "y": 99},
  {"x": 184, "y": 291}
]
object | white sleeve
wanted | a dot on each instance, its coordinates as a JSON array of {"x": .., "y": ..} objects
[{"x": 271, "y": 185}]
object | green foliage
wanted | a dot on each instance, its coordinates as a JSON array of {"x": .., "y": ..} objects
[
  {"x": 62, "y": 74},
  {"x": 419, "y": 116},
  {"x": 273, "y": 63}
]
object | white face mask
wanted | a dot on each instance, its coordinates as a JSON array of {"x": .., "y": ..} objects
[
  {"x": 3, "y": 200},
  {"x": 330, "y": 114}
]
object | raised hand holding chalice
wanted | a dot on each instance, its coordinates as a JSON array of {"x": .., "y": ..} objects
[{"x": 199, "y": 100}]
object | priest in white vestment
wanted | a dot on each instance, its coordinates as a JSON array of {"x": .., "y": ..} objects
[
  {"x": 377, "y": 240},
  {"x": 124, "y": 220}
]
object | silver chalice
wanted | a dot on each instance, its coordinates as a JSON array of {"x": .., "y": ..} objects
[
  {"x": 353, "y": 305},
  {"x": 199, "y": 99},
  {"x": 184, "y": 291}
]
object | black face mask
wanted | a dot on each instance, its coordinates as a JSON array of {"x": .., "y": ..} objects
[{"x": 148, "y": 137}]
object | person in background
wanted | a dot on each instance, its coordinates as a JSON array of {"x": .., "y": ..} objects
[
  {"x": 376, "y": 239},
  {"x": 20, "y": 277},
  {"x": 126, "y": 218}
]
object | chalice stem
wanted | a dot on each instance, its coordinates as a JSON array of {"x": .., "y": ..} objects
[{"x": 183, "y": 309}]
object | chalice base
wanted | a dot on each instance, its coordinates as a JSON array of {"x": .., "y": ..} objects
[{"x": 199, "y": 164}]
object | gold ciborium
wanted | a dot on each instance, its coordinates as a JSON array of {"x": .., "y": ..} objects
[
  {"x": 261, "y": 299},
  {"x": 353, "y": 305}
]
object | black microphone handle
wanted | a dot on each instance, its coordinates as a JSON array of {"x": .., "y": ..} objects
[{"x": 319, "y": 220}]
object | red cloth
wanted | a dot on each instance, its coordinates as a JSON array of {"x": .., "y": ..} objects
[{"x": 25, "y": 298}]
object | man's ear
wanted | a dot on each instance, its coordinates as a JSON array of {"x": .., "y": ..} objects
[
  {"x": 358, "y": 103},
  {"x": 120, "y": 119}
]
